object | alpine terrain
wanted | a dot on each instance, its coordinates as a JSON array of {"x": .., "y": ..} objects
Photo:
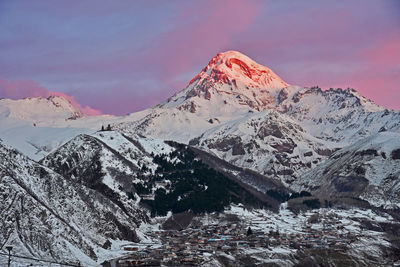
[{"x": 239, "y": 168}]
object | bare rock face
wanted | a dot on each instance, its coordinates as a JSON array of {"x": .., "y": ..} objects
[
  {"x": 324, "y": 152},
  {"x": 285, "y": 172},
  {"x": 202, "y": 89},
  {"x": 308, "y": 154},
  {"x": 285, "y": 147},
  {"x": 190, "y": 106},
  {"x": 270, "y": 129},
  {"x": 283, "y": 95},
  {"x": 227, "y": 144},
  {"x": 238, "y": 149},
  {"x": 207, "y": 95},
  {"x": 396, "y": 154}
]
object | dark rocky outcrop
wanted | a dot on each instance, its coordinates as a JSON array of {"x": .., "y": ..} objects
[
  {"x": 396, "y": 154},
  {"x": 286, "y": 146},
  {"x": 349, "y": 184}
]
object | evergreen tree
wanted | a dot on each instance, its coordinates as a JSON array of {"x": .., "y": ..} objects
[
  {"x": 102, "y": 128},
  {"x": 249, "y": 231},
  {"x": 109, "y": 127}
]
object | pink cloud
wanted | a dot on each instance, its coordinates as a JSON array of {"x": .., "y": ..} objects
[
  {"x": 379, "y": 78},
  {"x": 197, "y": 39},
  {"x": 123, "y": 57},
  {"x": 385, "y": 54},
  {"x": 27, "y": 88}
]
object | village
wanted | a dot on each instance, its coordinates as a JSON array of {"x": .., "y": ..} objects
[{"x": 195, "y": 246}]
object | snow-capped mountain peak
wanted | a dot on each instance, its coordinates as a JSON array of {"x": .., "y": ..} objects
[
  {"x": 229, "y": 78},
  {"x": 234, "y": 67},
  {"x": 37, "y": 109},
  {"x": 60, "y": 101}
]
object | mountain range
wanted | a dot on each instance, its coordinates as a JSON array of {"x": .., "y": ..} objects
[{"x": 82, "y": 191}]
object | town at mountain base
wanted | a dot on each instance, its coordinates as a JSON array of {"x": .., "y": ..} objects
[{"x": 237, "y": 168}]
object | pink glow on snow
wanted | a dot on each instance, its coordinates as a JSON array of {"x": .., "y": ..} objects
[
  {"x": 26, "y": 88},
  {"x": 126, "y": 56}
]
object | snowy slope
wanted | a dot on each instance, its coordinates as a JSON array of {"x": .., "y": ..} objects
[
  {"x": 240, "y": 115},
  {"x": 114, "y": 164},
  {"x": 106, "y": 162},
  {"x": 268, "y": 142},
  {"x": 180, "y": 125},
  {"x": 235, "y": 108},
  {"x": 235, "y": 79},
  {"x": 369, "y": 169},
  {"x": 39, "y": 110},
  {"x": 222, "y": 111},
  {"x": 336, "y": 115},
  {"x": 233, "y": 88},
  {"x": 44, "y": 215},
  {"x": 37, "y": 142},
  {"x": 115, "y": 158},
  {"x": 229, "y": 88},
  {"x": 36, "y": 126}
]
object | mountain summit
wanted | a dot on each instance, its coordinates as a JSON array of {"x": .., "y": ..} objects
[
  {"x": 39, "y": 109},
  {"x": 234, "y": 67},
  {"x": 230, "y": 78}
]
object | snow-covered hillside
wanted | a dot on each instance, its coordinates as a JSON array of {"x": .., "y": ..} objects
[
  {"x": 107, "y": 162},
  {"x": 235, "y": 108},
  {"x": 222, "y": 110},
  {"x": 236, "y": 134},
  {"x": 269, "y": 142},
  {"x": 39, "y": 110},
  {"x": 337, "y": 116},
  {"x": 369, "y": 169},
  {"x": 227, "y": 90},
  {"x": 112, "y": 163},
  {"x": 36, "y": 126},
  {"x": 44, "y": 215},
  {"x": 231, "y": 87}
]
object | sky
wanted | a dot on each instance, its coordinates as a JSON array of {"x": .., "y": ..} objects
[{"x": 117, "y": 57}]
